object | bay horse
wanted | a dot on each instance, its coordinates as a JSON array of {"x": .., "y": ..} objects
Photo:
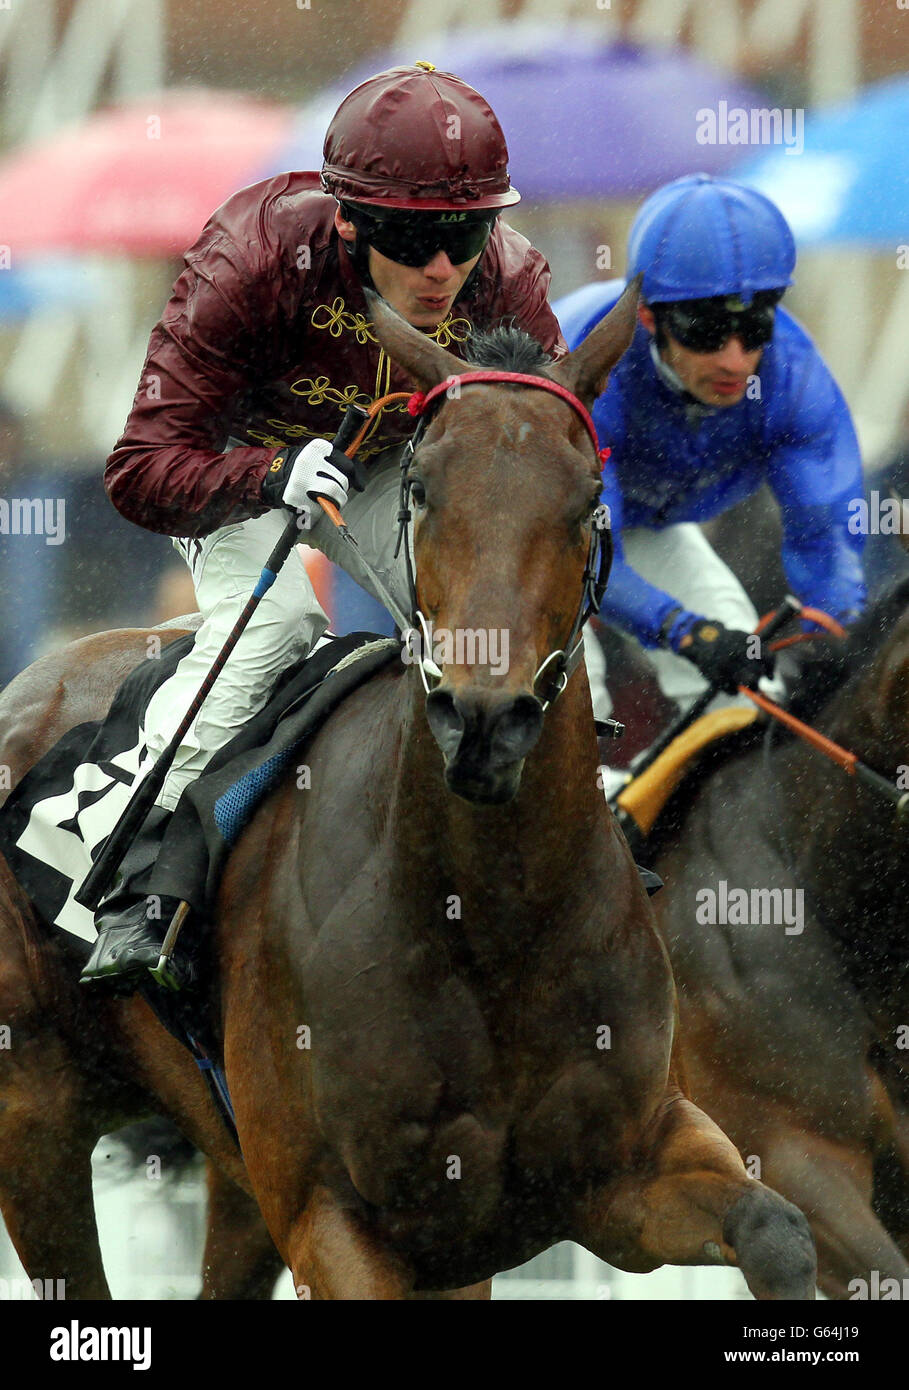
[
  {"x": 452, "y": 916},
  {"x": 797, "y": 1043}
]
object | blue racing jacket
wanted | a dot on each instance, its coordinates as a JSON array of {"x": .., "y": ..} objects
[{"x": 673, "y": 460}]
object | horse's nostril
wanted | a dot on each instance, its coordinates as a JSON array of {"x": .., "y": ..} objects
[
  {"x": 516, "y": 728},
  {"x": 481, "y": 731},
  {"x": 445, "y": 721}
]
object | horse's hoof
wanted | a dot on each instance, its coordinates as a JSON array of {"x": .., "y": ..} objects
[{"x": 773, "y": 1244}]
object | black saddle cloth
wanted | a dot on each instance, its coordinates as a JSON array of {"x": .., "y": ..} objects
[{"x": 56, "y": 821}]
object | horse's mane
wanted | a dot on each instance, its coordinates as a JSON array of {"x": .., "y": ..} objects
[
  {"x": 508, "y": 349},
  {"x": 866, "y": 637}
]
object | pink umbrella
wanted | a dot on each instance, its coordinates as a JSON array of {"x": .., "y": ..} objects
[{"x": 141, "y": 178}]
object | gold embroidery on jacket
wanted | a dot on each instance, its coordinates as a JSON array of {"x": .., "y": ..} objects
[
  {"x": 318, "y": 390},
  {"x": 292, "y": 433},
  {"x": 270, "y": 441},
  {"x": 451, "y": 331},
  {"x": 336, "y": 318}
]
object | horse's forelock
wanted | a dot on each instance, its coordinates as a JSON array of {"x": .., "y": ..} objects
[{"x": 507, "y": 348}]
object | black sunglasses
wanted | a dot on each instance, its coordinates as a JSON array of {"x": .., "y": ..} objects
[
  {"x": 706, "y": 325},
  {"x": 414, "y": 238}
]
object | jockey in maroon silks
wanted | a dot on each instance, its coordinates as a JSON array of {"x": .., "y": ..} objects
[{"x": 265, "y": 342}]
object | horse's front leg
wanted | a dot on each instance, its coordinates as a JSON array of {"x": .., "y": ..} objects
[
  {"x": 691, "y": 1202},
  {"x": 240, "y": 1260},
  {"x": 333, "y": 1254},
  {"x": 47, "y": 1134}
]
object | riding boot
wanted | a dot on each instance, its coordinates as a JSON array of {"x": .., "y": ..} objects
[{"x": 132, "y": 923}]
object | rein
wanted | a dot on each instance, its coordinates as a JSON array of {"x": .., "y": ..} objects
[{"x": 843, "y": 758}]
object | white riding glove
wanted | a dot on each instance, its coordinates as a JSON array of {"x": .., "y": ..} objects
[{"x": 317, "y": 469}]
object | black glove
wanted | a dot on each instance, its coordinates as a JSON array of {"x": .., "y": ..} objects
[
  {"x": 722, "y": 655},
  {"x": 278, "y": 476}
]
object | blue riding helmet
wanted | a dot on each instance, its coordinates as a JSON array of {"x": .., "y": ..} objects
[{"x": 700, "y": 237}]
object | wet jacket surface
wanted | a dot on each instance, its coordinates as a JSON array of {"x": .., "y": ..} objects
[
  {"x": 266, "y": 340},
  {"x": 672, "y": 461}
]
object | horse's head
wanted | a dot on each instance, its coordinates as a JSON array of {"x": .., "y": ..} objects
[{"x": 504, "y": 485}]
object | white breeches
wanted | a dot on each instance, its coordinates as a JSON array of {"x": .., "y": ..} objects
[{"x": 287, "y": 625}]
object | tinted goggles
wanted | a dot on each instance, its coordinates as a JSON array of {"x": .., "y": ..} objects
[
  {"x": 414, "y": 239},
  {"x": 706, "y": 325}
]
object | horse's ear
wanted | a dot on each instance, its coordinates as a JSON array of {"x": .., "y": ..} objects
[
  {"x": 585, "y": 371},
  {"x": 422, "y": 358}
]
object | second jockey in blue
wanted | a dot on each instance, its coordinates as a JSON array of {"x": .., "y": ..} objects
[{"x": 720, "y": 392}]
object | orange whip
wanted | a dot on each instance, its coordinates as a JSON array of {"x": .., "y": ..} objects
[{"x": 842, "y": 757}]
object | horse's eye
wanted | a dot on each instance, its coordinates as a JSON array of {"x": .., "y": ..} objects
[{"x": 418, "y": 491}]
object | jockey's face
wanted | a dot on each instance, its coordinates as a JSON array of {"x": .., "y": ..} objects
[
  {"x": 423, "y": 294},
  {"x": 716, "y": 378}
]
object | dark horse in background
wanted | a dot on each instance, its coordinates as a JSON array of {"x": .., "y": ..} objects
[
  {"x": 481, "y": 1083},
  {"x": 798, "y": 1043}
]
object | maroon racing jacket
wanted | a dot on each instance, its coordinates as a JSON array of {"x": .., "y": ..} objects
[{"x": 266, "y": 340}]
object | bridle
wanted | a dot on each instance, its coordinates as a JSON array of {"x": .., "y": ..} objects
[{"x": 555, "y": 670}]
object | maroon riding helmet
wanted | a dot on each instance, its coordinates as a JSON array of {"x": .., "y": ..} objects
[{"x": 418, "y": 140}]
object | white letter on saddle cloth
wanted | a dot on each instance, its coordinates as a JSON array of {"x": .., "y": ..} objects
[{"x": 65, "y": 851}]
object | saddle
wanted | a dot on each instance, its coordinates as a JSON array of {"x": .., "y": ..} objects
[
  {"x": 640, "y": 804},
  {"x": 57, "y": 819}
]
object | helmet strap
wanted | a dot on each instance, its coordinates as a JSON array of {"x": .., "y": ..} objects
[
  {"x": 469, "y": 284},
  {"x": 358, "y": 251}
]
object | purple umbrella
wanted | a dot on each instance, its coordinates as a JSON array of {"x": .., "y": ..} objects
[{"x": 583, "y": 119}]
